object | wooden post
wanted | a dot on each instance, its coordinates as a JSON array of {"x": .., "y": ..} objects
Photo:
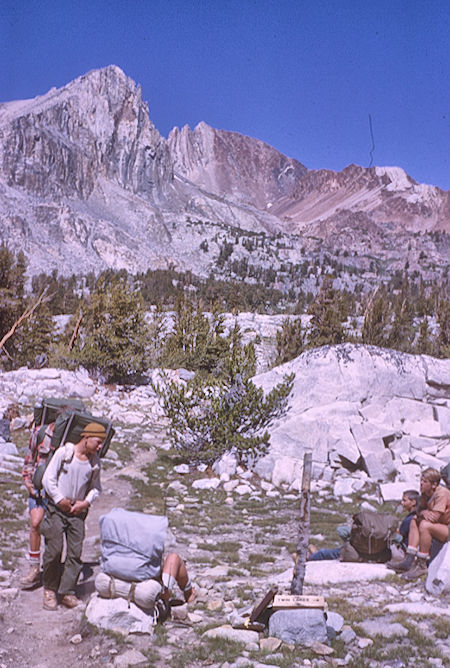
[{"x": 303, "y": 528}]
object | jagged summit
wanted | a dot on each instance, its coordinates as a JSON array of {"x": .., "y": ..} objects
[{"x": 84, "y": 173}]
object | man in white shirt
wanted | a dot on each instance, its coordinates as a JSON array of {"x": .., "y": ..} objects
[{"x": 71, "y": 482}]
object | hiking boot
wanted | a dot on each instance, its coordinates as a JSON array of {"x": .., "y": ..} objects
[
  {"x": 50, "y": 600},
  {"x": 70, "y": 600},
  {"x": 402, "y": 566},
  {"x": 420, "y": 568},
  {"x": 32, "y": 578}
]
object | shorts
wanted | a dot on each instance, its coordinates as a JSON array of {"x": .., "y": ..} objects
[{"x": 37, "y": 502}]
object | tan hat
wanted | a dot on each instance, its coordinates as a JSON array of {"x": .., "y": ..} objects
[{"x": 94, "y": 429}]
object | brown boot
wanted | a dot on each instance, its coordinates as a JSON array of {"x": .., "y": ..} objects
[
  {"x": 32, "y": 578},
  {"x": 402, "y": 566},
  {"x": 50, "y": 600},
  {"x": 70, "y": 601},
  {"x": 420, "y": 568}
]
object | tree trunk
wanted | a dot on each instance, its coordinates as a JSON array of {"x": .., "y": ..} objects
[{"x": 303, "y": 527}]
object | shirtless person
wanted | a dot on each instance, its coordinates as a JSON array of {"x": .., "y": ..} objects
[{"x": 432, "y": 521}]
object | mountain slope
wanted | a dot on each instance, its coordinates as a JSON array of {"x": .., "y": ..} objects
[{"x": 87, "y": 182}]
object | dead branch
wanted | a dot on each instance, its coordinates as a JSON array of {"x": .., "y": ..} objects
[
  {"x": 75, "y": 331},
  {"x": 26, "y": 314}
]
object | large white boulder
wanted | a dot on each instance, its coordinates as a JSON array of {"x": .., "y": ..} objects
[
  {"x": 118, "y": 615},
  {"x": 362, "y": 406}
]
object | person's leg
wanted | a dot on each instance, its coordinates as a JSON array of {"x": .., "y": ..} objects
[
  {"x": 174, "y": 570},
  {"x": 33, "y": 576},
  {"x": 427, "y": 531},
  {"x": 36, "y": 515},
  {"x": 325, "y": 553},
  {"x": 411, "y": 552},
  {"x": 52, "y": 529},
  {"x": 72, "y": 565}
]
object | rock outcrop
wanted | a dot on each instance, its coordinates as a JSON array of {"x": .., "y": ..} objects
[{"x": 375, "y": 413}]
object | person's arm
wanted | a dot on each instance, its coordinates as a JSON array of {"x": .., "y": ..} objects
[
  {"x": 95, "y": 487},
  {"x": 436, "y": 509},
  {"x": 50, "y": 479}
]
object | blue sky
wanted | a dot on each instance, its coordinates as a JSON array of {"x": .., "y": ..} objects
[{"x": 302, "y": 75}]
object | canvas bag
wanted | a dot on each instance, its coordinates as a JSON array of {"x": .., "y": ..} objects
[
  {"x": 372, "y": 533},
  {"x": 132, "y": 544},
  {"x": 144, "y": 594},
  {"x": 438, "y": 576}
]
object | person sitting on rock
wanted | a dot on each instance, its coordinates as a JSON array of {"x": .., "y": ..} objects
[
  {"x": 71, "y": 482},
  {"x": 432, "y": 521},
  {"x": 410, "y": 500}
]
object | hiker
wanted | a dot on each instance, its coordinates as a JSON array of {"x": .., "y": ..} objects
[
  {"x": 39, "y": 447},
  {"x": 72, "y": 483},
  {"x": 410, "y": 502},
  {"x": 432, "y": 521}
]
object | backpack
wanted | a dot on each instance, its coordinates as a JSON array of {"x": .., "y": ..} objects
[
  {"x": 132, "y": 544},
  {"x": 371, "y": 534},
  {"x": 48, "y": 409},
  {"x": 68, "y": 428}
]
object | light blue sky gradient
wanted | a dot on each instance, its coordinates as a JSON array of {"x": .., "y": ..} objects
[{"x": 301, "y": 75}]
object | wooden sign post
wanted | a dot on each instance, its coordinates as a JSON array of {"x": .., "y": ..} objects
[{"x": 303, "y": 528}]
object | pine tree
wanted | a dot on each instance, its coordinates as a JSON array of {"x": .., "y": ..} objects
[
  {"x": 35, "y": 337},
  {"x": 196, "y": 343},
  {"x": 326, "y": 326},
  {"x": 290, "y": 340},
  {"x": 12, "y": 303},
  {"x": 207, "y": 421},
  {"x": 377, "y": 317},
  {"x": 402, "y": 330},
  {"x": 424, "y": 345},
  {"x": 443, "y": 338},
  {"x": 113, "y": 339}
]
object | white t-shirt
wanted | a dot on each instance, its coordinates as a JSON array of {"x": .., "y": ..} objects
[{"x": 68, "y": 477}]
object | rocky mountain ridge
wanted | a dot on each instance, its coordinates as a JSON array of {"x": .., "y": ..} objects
[{"x": 87, "y": 182}]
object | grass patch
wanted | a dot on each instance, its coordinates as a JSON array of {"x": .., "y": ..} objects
[
  {"x": 257, "y": 558},
  {"x": 441, "y": 627}
]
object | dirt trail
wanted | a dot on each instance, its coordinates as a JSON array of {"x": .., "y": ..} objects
[{"x": 32, "y": 636}]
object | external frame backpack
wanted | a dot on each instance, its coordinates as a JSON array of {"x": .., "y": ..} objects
[
  {"x": 372, "y": 533},
  {"x": 48, "y": 409},
  {"x": 68, "y": 428}
]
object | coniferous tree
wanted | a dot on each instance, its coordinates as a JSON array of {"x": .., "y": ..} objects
[
  {"x": 377, "y": 318},
  {"x": 326, "y": 326},
  {"x": 12, "y": 303},
  {"x": 424, "y": 345},
  {"x": 35, "y": 337},
  {"x": 113, "y": 339},
  {"x": 207, "y": 421},
  {"x": 290, "y": 340},
  {"x": 195, "y": 343},
  {"x": 443, "y": 318},
  {"x": 401, "y": 334}
]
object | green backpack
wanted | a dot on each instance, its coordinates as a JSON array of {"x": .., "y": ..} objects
[
  {"x": 67, "y": 429},
  {"x": 48, "y": 409}
]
